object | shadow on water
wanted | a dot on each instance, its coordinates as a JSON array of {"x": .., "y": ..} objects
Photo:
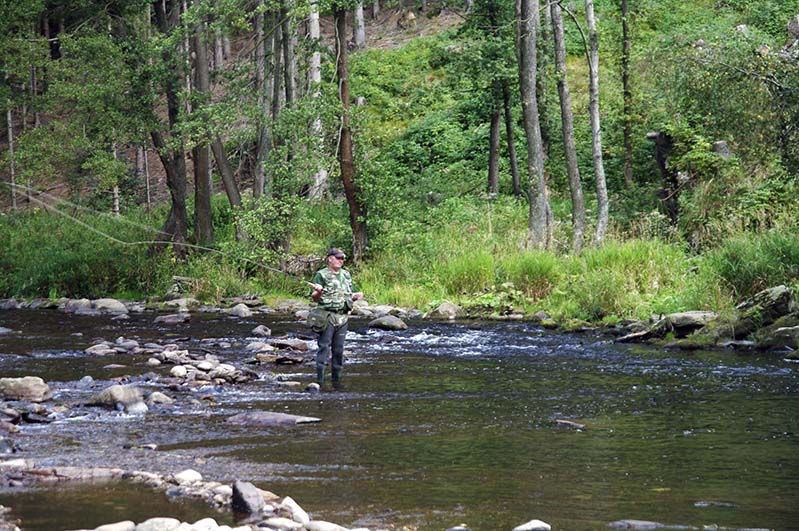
[{"x": 445, "y": 423}]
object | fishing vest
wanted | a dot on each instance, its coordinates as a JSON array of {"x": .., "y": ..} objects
[{"x": 338, "y": 289}]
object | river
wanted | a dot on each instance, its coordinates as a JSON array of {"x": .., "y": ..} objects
[{"x": 446, "y": 423}]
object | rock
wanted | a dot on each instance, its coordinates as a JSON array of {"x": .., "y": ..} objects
[
  {"x": 183, "y": 303},
  {"x": 157, "y": 397},
  {"x": 284, "y": 524},
  {"x": 124, "y": 397},
  {"x": 562, "y": 423},
  {"x": 9, "y": 304},
  {"x": 127, "y": 525},
  {"x": 313, "y": 388},
  {"x": 77, "y": 305},
  {"x": 101, "y": 349},
  {"x": 293, "y": 510},
  {"x": 388, "y": 322},
  {"x": 446, "y": 310},
  {"x": 269, "y": 418},
  {"x": 779, "y": 338},
  {"x": 295, "y": 344},
  {"x": 321, "y": 525},
  {"x": 179, "y": 371},
  {"x": 153, "y": 362},
  {"x": 126, "y": 344},
  {"x": 30, "y": 388},
  {"x": 679, "y": 324},
  {"x": 206, "y": 524},
  {"x": 770, "y": 303},
  {"x": 722, "y": 149},
  {"x": 159, "y": 524},
  {"x": 4, "y": 330},
  {"x": 188, "y": 476},
  {"x": 533, "y": 525},
  {"x": 173, "y": 318},
  {"x": 239, "y": 310},
  {"x": 246, "y": 498},
  {"x": 639, "y": 525},
  {"x": 262, "y": 331},
  {"x": 258, "y": 346},
  {"x": 110, "y": 306}
]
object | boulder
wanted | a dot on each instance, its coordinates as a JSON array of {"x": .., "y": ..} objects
[
  {"x": 446, "y": 310},
  {"x": 533, "y": 525},
  {"x": 679, "y": 324},
  {"x": 4, "y": 330},
  {"x": 77, "y": 305},
  {"x": 388, "y": 322},
  {"x": 292, "y": 509},
  {"x": 122, "y": 397},
  {"x": 239, "y": 310},
  {"x": 188, "y": 476},
  {"x": 9, "y": 304},
  {"x": 295, "y": 344},
  {"x": 159, "y": 524},
  {"x": 157, "y": 397},
  {"x": 262, "y": 331},
  {"x": 184, "y": 303},
  {"x": 246, "y": 498},
  {"x": 321, "y": 525},
  {"x": 284, "y": 524},
  {"x": 110, "y": 306},
  {"x": 30, "y": 388},
  {"x": 269, "y": 418},
  {"x": 127, "y": 525},
  {"x": 173, "y": 318}
]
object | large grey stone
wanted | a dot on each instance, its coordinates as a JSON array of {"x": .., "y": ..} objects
[
  {"x": 110, "y": 306},
  {"x": 246, "y": 498},
  {"x": 533, "y": 525},
  {"x": 77, "y": 305},
  {"x": 30, "y": 388},
  {"x": 126, "y": 397},
  {"x": 269, "y": 418},
  {"x": 446, "y": 310},
  {"x": 127, "y": 525},
  {"x": 159, "y": 524},
  {"x": 388, "y": 322},
  {"x": 239, "y": 310}
]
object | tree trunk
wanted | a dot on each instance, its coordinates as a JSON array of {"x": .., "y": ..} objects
[
  {"x": 567, "y": 121},
  {"x": 493, "y": 149},
  {"x": 203, "y": 226},
  {"x": 315, "y": 79},
  {"x": 596, "y": 131},
  {"x": 628, "y": 98},
  {"x": 262, "y": 135},
  {"x": 167, "y": 14},
  {"x": 228, "y": 179},
  {"x": 11, "y": 158},
  {"x": 375, "y": 8},
  {"x": 345, "y": 150},
  {"x": 358, "y": 30},
  {"x": 537, "y": 226},
  {"x": 510, "y": 137},
  {"x": 289, "y": 63},
  {"x": 541, "y": 92}
]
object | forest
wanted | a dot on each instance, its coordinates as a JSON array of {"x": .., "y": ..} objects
[{"x": 596, "y": 160}]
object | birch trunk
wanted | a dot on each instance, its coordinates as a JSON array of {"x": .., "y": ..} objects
[
  {"x": 315, "y": 78},
  {"x": 358, "y": 30},
  {"x": 567, "y": 122},
  {"x": 375, "y": 8},
  {"x": 11, "y": 158},
  {"x": 289, "y": 62},
  {"x": 537, "y": 226},
  {"x": 262, "y": 136},
  {"x": 596, "y": 131},
  {"x": 203, "y": 227}
]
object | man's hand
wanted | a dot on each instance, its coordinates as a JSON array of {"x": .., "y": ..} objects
[{"x": 358, "y": 295}]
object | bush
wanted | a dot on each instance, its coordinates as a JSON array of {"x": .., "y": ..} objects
[{"x": 535, "y": 274}]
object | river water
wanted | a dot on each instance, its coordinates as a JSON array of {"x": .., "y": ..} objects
[{"x": 439, "y": 425}]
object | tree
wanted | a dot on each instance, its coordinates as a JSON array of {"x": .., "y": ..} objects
[
  {"x": 345, "y": 147},
  {"x": 538, "y": 221},
  {"x": 358, "y": 31},
  {"x": 203, "y": 226},
  {"x": 627, "y": 93},
  {"x": 596, "y": 130},
  {"x": 319, "y": 185},
  {"x": 567, "y": 121}
]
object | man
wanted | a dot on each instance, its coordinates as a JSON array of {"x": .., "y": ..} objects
[{"x": 334, "y": 294}]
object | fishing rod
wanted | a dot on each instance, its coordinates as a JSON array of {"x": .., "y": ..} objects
[{"x": 97, "y": 231}]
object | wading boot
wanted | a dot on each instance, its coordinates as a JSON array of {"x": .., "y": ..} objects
[
  {"x": 320, "y": 376},
  {"x": 335, "y": 377}
]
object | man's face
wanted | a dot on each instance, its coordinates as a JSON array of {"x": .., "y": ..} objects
[{"x": 335, "y": 262}]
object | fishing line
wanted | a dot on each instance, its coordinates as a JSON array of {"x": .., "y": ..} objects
[{"x": 97, "y": 231}]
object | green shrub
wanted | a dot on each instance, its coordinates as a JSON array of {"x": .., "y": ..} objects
[
  {"x": 467, "y": 273},
  {"x": 535, "y": 274}
]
